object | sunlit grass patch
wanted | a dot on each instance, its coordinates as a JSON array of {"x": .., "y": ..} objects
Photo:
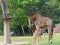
[{"x": 44, "y": 39}]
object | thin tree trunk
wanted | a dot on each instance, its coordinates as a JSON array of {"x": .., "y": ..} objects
[
  {"x": 23, "y": 30},
  {"x": 29, "y": 22},
  {"x": 7, "y": 38}
]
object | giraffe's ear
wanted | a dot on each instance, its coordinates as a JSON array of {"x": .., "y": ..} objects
[{"x": 54, "y": 26}]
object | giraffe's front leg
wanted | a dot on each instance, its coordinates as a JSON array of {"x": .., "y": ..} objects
[
  {"x": 34, "y": 39},
  {"x": 38, "y": 39}
]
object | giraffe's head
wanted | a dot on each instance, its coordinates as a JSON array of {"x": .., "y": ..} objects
[{"x": 32, "y": 27}]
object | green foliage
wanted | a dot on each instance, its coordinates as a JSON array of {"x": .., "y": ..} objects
[
  {"x": 16, "y": 7},
  {"x": 23, "y": 9},
  {"x": 49, "y": 8}
]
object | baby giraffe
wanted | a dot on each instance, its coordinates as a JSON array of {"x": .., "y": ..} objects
[{"x": 37, "y": 34}]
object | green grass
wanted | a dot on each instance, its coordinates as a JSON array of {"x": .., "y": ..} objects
[
  {"x": 22, "y": 38},
  {"x": 56, "y": 39},
  {"x": 18, "y": 38},
  {"x": 1, "y": 38}
]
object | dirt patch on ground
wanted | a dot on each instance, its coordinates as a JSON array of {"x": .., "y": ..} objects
[
  {"x": 20, "y": 43},
  {"x": 14, "y": 43}
]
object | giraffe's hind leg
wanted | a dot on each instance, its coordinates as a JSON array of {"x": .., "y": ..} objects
[{"x": 50, "y": 32}]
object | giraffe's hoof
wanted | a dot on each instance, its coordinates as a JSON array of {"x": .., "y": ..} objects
[{"x": 51, "y": 42}]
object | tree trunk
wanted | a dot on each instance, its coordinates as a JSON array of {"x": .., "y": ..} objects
[
  {"x": 6, "y": 22},
  {"x": 23, "y": 30},
  {"x": 6, "y": 31}
]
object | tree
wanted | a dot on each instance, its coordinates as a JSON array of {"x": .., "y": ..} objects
[{"x": 6, "y": 22}]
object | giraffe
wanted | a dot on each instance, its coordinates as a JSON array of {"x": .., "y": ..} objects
[{"x": 40, "y": 23}]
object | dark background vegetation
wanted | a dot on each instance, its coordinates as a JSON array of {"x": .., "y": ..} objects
[{"x": 23, "y": 9}]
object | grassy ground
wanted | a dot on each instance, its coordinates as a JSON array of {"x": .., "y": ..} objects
[{"x": 56, "y": 39}]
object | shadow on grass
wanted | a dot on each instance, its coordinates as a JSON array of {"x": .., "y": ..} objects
[
  {"x": 26, "y": 44},
  {"x": 57, "y": 43}
]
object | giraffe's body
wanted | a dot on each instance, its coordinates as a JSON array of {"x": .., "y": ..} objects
[{"x": 40, "y": 22}]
